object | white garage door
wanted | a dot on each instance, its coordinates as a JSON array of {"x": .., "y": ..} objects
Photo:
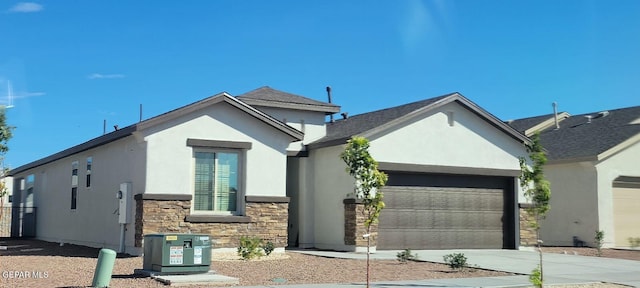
[{"x": 626, "y": 210}]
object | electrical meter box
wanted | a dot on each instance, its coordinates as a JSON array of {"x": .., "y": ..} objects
[{"x": 177, "y": 253}]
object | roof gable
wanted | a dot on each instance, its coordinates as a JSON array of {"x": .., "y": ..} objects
[
  {"x": 368, "y": 123},
  {"x": 218, "y": 98},
  {"x": 528, "y": 126},
  {"x": 269, "y": 97},
  {"x": 163, "y": 118}
]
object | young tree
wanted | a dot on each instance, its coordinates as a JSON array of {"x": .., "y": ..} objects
[
  {"x": 537, "y": 190},
  {"x": 368, "y": 181},
  {"x": 6, "y": 132}
]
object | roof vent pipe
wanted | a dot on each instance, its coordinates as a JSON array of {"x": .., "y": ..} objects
[
  {"x": 329, "y": 95},
  {"x": 555, "y": 114},
  {"x": 588, "y": 118}
]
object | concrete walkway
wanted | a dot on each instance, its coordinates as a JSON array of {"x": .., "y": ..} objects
[{"x": 558, "y": 269}]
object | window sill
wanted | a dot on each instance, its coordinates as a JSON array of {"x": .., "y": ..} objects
[{"x": 217, "y": 219}]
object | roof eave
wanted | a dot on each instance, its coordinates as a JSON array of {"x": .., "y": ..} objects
[
  {"x": 293, "y": 132},
  {"x": 327, "y": 109},
  {"x": 493, "y": 120},
  {"x": 572, "y": 160},
  {"x": 124, "y": 132},
  {"x": 619, "y": 148},
  {"x": 546, "y": 124},
  {"x": 328, "y": 143},
  {"x": 107, "y": 138}
]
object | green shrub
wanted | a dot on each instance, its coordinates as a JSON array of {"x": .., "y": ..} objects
[
  {"x": 634, "y": 242},
  {"x": 406, "y": 255},
  {"x": 268, "y": 248},
  {"x": 457, "y": 261},
  {"x": 250, "y": 247},
  {"x": 599, "y": 241},
  {"x": 536, "y": 277}
]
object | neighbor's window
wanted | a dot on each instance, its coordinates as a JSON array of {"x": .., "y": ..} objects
[
  {"x": 216, "y": 181},
  {"x": 89, "y": 163},
  {"x": 74, "y": 184},
  {"x": 74, "y": 197},
  {"x": 31, "y": 180}
]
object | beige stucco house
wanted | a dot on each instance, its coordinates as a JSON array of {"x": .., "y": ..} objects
[
  {"x": 266, "y": 163},
  {"x": 594, "y": 174}
]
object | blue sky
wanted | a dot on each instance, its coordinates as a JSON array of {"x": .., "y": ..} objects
[{"x": 74, "y": 64}]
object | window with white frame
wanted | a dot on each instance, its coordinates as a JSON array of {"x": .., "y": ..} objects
[
  {"x": 89, "y": 164},
  {"x": 216, "y": 180},
  {"x": 74, "y": 185},
  {"x": 31, "y": 180}
]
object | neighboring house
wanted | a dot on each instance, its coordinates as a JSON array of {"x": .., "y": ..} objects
[
  {"x": 266, "y": 164},
  {"x": 594, "y": 175}
]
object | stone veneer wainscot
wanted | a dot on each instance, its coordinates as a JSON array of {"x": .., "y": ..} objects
[
  {"x": 265, "y": 217},
  {"x": 354, "y": 218},
  {"x": 527, "y": 233}
]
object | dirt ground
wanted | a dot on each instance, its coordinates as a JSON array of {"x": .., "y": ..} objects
[{"x": 32, "y": 263}]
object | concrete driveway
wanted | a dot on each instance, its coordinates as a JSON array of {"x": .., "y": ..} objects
[{"x": 558, "y": 268}]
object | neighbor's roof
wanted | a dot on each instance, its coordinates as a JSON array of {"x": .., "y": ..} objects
[
  {"x": 528, "y": 126},
  {"x": 268, "y": 97},
  {"x": 129, "y": 130},
  {"x": 341, "y": 130},
  {"x": 608, "y": 132}
]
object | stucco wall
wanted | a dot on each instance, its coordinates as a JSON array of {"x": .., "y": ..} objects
[
  {"x": 429, "y": 139},
  {"x": 581, "y": 198},
  {"x": 170, "y": 160},
  {"x": 574, "y": 207},
  {"x": 624, "y": 163},
  {"x": 331, "y": 185},
  {"x": 301, "y": 190},
  {"x": 309, "y": 122},
  {"x": 95, "y": 221}
]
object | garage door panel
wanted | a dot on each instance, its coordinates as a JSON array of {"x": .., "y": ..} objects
[
  {"x": 442, "y": 218},
  {"x": 626, "y": 215},
  {"x": 439, "y": 219},
  {"x": 440, "y": 239}
]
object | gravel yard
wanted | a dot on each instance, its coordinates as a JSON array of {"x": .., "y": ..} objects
[{"x": 42, "y": 264}]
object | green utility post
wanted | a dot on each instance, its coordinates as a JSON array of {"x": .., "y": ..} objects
[{"x": 104, "y": 268}]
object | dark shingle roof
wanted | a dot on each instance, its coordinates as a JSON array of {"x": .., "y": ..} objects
[
  {"x": 341, "y": 130},
  {"x": 577, "y": 139},
  {"x": 345, "y": 128},
  {"x": 268, "y": 97}
]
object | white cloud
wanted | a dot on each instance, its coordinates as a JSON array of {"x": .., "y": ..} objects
[
  {"x": 28, "y": 94},
  {"x": 105, "y": 76},
  {"x": 8, "y": 102},
  {"x": 423, "y": 24},
  {"x": 26, "y": 7}
]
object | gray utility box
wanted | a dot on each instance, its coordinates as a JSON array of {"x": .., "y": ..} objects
[{"x": 177, "y": 253}]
